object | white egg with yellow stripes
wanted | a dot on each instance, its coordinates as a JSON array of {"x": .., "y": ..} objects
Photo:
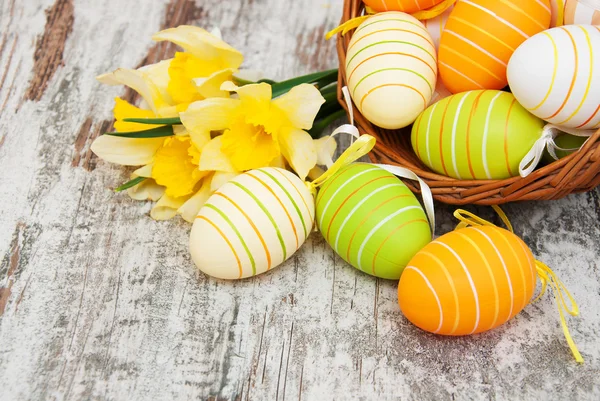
[
  {"x": 391, "y": 69},
  {"x": 252, "y": 224},
  {"x": 556, "y": 76}
]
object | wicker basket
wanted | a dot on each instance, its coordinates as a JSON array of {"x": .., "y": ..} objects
[{"x": 578, "y": 172}]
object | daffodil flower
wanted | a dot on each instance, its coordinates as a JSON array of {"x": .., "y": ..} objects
[
  {"x": 168, "y": 87},
  {"x": 257, "y": 131}
]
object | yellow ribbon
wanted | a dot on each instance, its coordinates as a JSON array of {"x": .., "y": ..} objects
[
  {"x": 358, "y": 149},
  {"x": 422, "y": 15},
  {"x": 560, "y": 18},
  {"x": 546, "y": 275}
]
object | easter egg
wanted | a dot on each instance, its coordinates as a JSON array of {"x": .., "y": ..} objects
[
  {"x": 467, "y": 281},
  {"x": 391, "y": 69},
  {"x": 556, "y": 76},
  {"x": 406, "y": 6},
  {"x": 252, "y": 224},
  {"x": 570, "y": 143},
  {"x": 582, "y": 12},
  {"x": 480, "y": 134},
  {"x": 481, "y": 35},
  {"x": 435, "y": 26},
  {"x": 371, "y": 219},
  {"x": 558, "y": 12}
]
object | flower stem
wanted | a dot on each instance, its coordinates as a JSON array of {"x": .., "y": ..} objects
[
  {"x": 129, "y": 184},
  {"x": 158, "y": 132},
  {"x": 154, "y": 121}
]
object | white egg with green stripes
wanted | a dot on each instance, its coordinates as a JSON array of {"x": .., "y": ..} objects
[
  {"x": 391, "y": 69},
  {"x": 252, "y": 224}
]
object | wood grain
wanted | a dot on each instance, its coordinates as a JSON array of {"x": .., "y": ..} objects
[{"x": 100, "y": 302}]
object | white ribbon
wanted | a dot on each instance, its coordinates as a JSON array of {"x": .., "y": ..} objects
[
  {"x": 425, "y": 190},
  {"x": 546, "y": 142},
  {"x": 348, "y": 129}
]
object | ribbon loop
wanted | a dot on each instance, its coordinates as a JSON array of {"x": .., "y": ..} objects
[
  {"x": 549, "y": 277},
  {"x": 546, "y": 142},
  {"x": 469, "y": 219},
  {"x": 425, "y": 190}
]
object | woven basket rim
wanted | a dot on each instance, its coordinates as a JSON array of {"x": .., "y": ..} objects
[{"x": 577, "y": 172}]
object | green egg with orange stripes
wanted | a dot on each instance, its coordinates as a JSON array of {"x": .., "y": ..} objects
[
  {"x": 371, "y": 219},
  {"x": 480, "y": 135},
  {"x": 252, "y": 224}
]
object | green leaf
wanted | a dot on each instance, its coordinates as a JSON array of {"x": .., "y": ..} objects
[
  {"x": 156, "y": 121},
  {"x": 130, "y": 184},
  {"x": 284, "y": 86},
  {"x": 322, "y": 124},
  {"x": 331, "y": 88},
  {"x": 158, "y": 132}
]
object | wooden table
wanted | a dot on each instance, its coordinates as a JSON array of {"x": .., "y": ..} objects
[{"x": 98, "y": 301}]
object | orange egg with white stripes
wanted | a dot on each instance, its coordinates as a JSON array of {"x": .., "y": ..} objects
[
  {"x": 252, "y": 224},
  {"x": 468, "y": 281},
  {"x": 406, "y": 6},
  {"x": 391, "y": 69},
  {"x": 556, "y": 76},
  {"x": 582, "y": 12},
  {"x": 480, "y": 37}
]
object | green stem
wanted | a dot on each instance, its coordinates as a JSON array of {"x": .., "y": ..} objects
[
  {"x": 322, "y": 124},
  {"x": 154, "y": 121},
  {"x": 158, "y": 132},
  {"x": 131, "y": 183},
  {"x": 284, "y": 86}
]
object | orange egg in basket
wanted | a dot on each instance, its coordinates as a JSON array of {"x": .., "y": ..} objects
[
  {"x": 481, "y": 36},
  {"x": 406, "y": 6}
]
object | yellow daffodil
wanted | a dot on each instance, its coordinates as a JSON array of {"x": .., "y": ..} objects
[
  {"x": 170, "y": 165},
  {"x": 257, "y": 130}
]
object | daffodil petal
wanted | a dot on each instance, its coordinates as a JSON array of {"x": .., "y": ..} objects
[
  {"x": 123, "y": 109},
  {"x": 144, "y": 171},
  {"x": 146, "y": 190},
  {"x": 126, "y": 151},
  {"x": 202, "y": 44},
  {"x": 249, "y": 75},
  {"x": 167, "y": 206},
  {"x": 325, "y": 147},
  {"x": 211, "y": 86},
  {"x": 189, "y": 210},
  {"x": 256, "y": 102},
  {"x": 159, "y": 75},
  {"x": 279, "y": 161},
  {"x": 315, "y": 173},
  {"x": 213, "y": 159},
  {"x": 221, "y": 178},
  {"x": 299, "y": 149},
  {"x": 301, "y": 105},
  {"x": 139, "y": 81},
  {"x": 209, "y": 115}
]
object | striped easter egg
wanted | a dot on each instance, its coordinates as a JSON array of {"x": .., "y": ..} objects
[
  {"x": 252, "y": 224},
  {"x": 391, "y": 69},
  {"x": 582, "y": 12},
  {"x": 371, "y": 219},
  {"x": 558, "y": 13},
  {"x": 406, "y": 6},
  {"x": 468, "y": 281},
  {"x": 480, "y": 134},
  {"x": 481, "y": 35},
  {"x": 556, "y": 76}
]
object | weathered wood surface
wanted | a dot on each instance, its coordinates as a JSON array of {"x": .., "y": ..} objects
[{"x": 98, "y": 301}]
